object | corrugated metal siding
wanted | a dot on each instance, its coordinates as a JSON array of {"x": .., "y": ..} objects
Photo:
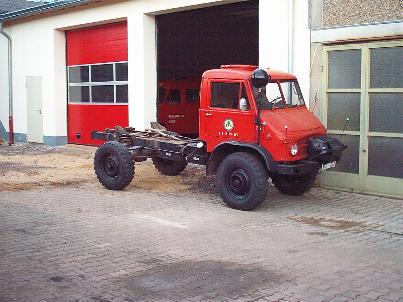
[{"x": 101, "y": 44}]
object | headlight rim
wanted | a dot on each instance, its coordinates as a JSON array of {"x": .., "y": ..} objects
[{"x": 294, "y": 149}]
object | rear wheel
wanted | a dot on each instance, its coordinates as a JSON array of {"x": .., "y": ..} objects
[
  {"x": 114, "y": 165},
  {"x": 294, "y": 185},
  {"x": 242, "y": 181},
  {"x": 169, "y": 167}
]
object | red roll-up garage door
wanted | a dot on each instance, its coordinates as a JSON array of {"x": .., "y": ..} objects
[{"x": 97, "y": 80}]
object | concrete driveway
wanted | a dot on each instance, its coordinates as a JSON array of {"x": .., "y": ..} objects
[{"x": 80, "y": 242}]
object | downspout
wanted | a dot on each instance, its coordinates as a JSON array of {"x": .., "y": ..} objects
[
  {"x": 10, "y": 86},
  {"x": 290, "y": 42}
]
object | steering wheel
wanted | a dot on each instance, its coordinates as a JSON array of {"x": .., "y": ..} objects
[{"x": 275, "y": 101}]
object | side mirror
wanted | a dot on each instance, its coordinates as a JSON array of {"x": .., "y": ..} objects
[
  {"x": 243, "y": 104},
  {"x": 259, "y": 78}
]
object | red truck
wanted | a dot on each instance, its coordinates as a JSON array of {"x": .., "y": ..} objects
[
  {"x": 178, "y": 105},
  {"x": 253, "y": 125}
]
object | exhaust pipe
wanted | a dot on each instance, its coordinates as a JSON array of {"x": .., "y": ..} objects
[{"x": 10, "y": 86}]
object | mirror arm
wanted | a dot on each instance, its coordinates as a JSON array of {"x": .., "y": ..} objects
[{"x": 258, "y": 121}]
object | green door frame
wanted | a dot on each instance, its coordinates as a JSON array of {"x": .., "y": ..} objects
[{"x": 361, "y": 182}]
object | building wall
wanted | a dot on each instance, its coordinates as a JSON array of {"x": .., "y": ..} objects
[
  {"x": 39, "y": 50},
  {"x": 347, "y": 12}
]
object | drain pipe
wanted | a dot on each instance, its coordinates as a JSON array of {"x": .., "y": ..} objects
[{"x": 10, "y": 86}]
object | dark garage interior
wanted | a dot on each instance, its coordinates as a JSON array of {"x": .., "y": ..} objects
[{"x": 191, "y": 42}]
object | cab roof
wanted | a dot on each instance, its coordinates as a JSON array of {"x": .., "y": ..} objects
[{"x": 244, "y": 72}]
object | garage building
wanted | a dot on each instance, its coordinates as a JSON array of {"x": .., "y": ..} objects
[{"x": 80, "y": 66}]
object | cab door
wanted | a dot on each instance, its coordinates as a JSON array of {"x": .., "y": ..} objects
[{"x": 222, "y": 119}]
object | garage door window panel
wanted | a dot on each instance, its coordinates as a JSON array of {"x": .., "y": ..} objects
[
  {"x": 385, "y": 112},
  {"x": 344, "y": 69},
  {"x": 79, "y": 94},
  {"x": 103, "y": 94},
  {"x": 121, "y": 72},
  {"x": 79, "y": 74},
  {"x": 385, "y": 157},
  {"x": 349, "y": 162},
  {"x": 343, "y": 106},
  {"x": 385, "y": 71},
  {"x": 102, "y": 73},
  {"x": 122, "y": 95}
]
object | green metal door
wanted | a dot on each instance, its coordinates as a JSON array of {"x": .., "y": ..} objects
[{"x": 364, "y": 109}]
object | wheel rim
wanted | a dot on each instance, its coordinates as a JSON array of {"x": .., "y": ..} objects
[
  {"x": 238, "y": 182},
  {"x": 111, "y": 165}
]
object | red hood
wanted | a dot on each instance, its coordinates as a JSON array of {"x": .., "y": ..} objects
[
  {"x": 297, "y": 119},
  {"x": 301, "y": 124}
]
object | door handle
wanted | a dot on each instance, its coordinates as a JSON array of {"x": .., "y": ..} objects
[
  {"x": 209, "y": 114},
  {"x": 39, "y": 110}
]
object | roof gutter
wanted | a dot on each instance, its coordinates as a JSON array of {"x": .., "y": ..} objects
[
  {"x": 39, "y": 9},
  {"x": 10, "y": 86}
]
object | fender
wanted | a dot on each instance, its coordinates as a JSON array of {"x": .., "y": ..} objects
[{"x": 227, "y": 147}]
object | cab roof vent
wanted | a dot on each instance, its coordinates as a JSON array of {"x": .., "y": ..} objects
[{"x": 240, "y": 67}]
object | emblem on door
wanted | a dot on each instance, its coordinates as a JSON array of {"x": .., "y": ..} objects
[{"x": 228, "y": 124}]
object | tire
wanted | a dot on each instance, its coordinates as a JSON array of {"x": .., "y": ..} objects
[
  {"x": 114, "y": 165},
  {"x": 242, "y": 181},
  {"x": 169, "y": 167},
  {"x": 294, "y": 185}
]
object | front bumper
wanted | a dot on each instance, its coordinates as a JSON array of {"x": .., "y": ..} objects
[
  {"x": 299, "y": 168},
  {"x": 321, "y": 150}
]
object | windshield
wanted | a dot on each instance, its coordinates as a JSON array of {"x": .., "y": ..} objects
[{"x": 279, "y": 95}]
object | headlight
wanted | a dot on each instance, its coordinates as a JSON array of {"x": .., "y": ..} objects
[{"x": 294, "y": 149}]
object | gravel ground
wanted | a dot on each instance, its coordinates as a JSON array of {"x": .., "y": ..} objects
[
  {"x": 26, "y": 149},
  {"x": 26, "y": 166}
]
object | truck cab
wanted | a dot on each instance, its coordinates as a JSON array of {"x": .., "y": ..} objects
[{"x": 274, "y": 116}]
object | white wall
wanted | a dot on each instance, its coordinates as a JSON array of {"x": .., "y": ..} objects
[
  {"x": 39, "y": 50},
  {"x": 301, "y": 48},
  {"x": 275, "y": 43}
]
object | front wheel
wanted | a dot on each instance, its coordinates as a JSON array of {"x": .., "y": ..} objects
[
  {"x": 242, "y": 181},
  {"x": 294, "y": 185},
  {"x": 113, "y": 165}
]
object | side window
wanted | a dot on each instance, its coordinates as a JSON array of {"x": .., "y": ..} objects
[
  {"x": 225, "y": 95},
  {"x": 193, "y": 96},
  {"x": 174, "y": 96}
]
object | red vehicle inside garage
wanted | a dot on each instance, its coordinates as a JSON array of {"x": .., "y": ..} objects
[{"x": 179, "y": 102}]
